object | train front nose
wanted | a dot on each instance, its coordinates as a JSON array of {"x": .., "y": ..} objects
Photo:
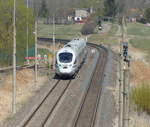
[
  {"x": 64, "y": 63},
  {"x": 65, "y": 70}
]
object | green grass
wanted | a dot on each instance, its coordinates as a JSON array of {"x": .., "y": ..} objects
[
  {"x": 73, "y": 30},
  {"x": 113, "y": 30},
  {"x": 109, "y": 38},
  {"x": 139, "y": 35},
  {"x": 62, "y": 31},
  {"x": 141, "y": 97},
  {"x": 141, "y": 43},
  {"x": 43, "y": 52},
  {"x": 137, "y": 29}
]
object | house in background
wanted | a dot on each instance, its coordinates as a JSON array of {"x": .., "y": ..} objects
[
  {"x": 70, "y": 15},
  {"x": 81, "y": 15},
  {"x": 64, "y": 16},
  {"x": 134, "y": 14}
]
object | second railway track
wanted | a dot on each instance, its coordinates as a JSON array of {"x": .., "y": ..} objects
[{"x": 86, "y": 115}]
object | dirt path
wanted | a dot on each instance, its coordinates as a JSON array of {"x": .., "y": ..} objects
[
  {"x": 25, "y": 89},
  {"x": 106, "y": 28}
]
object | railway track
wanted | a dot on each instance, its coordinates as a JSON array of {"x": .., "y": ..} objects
[
  {"x": 39, "y": 117},
  {"x": 86, "y": 114}
]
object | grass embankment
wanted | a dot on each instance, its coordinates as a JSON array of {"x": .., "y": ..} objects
[
  {"x": 106, "y": 38},
  {"x": 43, "y": 52},
  {"x": 141, "y": 97},
  {"x": 62, "y": 31},
  {"x": 139, "y": 35}
]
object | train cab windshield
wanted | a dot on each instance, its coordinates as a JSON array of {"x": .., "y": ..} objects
[{"x": 65, "y": 57}]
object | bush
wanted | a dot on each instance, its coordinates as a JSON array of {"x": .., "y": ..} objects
[
  {"x": 147, "y": 15},
  {"x": 88, "y": 27},
  {"x": 141, "y": 97},
  {"x": 142, "y": 20}
]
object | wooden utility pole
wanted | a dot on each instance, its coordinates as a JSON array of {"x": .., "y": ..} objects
[
  {"x": 126, "y": 98},
  {"x": 14, "y": 61},
  {"x": 36, "y": 52},
  {"x": 54, "y": 42},
  {"x": 120, "y": 86},
  {"x": 27, "y": 44},
  {"x": 128, "y": 95},
  {"x": 124, "y": 81}
]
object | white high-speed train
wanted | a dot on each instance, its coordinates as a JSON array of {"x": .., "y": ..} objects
[{"x": 70, "y": 57}]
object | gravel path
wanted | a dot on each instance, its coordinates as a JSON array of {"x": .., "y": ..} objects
[
  {"x": 107, "y": 111},
  {"x": 106, "y": 28}
]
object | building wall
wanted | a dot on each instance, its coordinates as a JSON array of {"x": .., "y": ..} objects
[{"x": 81, "y": 13}]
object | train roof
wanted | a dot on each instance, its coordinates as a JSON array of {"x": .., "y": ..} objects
[
  {"x": 76, "y": 43},
  {"x": 74, "y": 46},
  {"x": 66, "y": 49}
]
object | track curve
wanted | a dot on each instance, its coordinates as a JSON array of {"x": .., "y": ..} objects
[{"x": 86, "y": 114}]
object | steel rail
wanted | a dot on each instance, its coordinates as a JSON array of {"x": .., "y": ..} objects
[
  {"x": 100, "y": 91},
  {"x": 85, "y": 112},
  {"x": 26, "y": 123},
  {"x": 49, "y": 114},
  {"x": 33, "y": 113},
  {"x": 101, "y": 62}
]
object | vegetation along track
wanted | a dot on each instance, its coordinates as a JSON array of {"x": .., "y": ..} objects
[
  {"x": 86, "y": 115},
  {"x": 43, "y": 111},
  {"x": 5, "y": 69}
]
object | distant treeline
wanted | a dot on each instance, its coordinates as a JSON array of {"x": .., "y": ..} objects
[
  {"x": 146, "y": 16},
  {"x": 47, "y": 8},
  {"x": 6, "y": 30}
]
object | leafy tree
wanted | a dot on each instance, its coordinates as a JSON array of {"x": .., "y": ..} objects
[
  {"x": 147, "y": 15},
  {"x": 43, "y": 12},
  {"x": 54, "y": 5},
  {"x": 88, "y": 3},
  {"x": 110, "y": 8},
  {"x": 6, "y": 30}
]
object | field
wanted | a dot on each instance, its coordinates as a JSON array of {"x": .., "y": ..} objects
[
  {"x": 109, "y": 37},
  {"x": 62, "y": 31},
  {"x": 139, "y": 36}
]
